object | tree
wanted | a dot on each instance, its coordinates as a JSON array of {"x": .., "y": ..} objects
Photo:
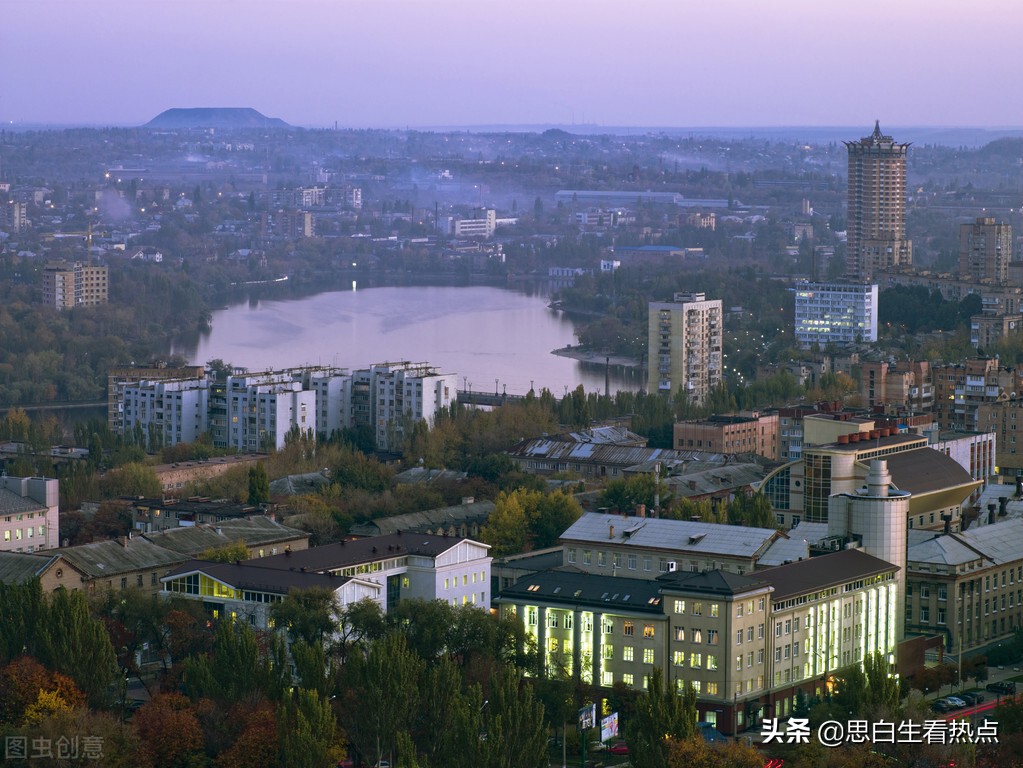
[
  {"x": 132, "y": 479},
  {"x": 661, "y": 716},
  {"x": 513, "y": 726},
  {"x": 307, "y": 731},
  {"x": 229, "y": 553},
  {"x": 554, "y": 514},
  {"x": 169, "y": 731},
  {"x": 505, "y": 529},
  {"x": 259, "y": 485},
  {"x": 307, "y": 614}
]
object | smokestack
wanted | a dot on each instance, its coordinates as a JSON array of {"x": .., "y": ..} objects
[{"x": 878, "y": 479}]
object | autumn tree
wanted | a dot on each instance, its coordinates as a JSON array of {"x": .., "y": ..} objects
[
  {"x": 132, "y": 479},
  {"x": 169, "y": 732}
]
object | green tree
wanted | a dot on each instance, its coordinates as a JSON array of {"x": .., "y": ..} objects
[
  {"x": 661, "y": 716},
  {"x": 229, "y": 553},
  {"x": 554, "y": 513},
  {"x": 259, "y": 485},
  {"x": 131, "y": 479},
  {"x": 505, "y": 529},
  {"x": 307, "y": 731},
  {"x": 307, "y": 614}
]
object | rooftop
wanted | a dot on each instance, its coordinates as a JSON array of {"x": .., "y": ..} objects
[
  {"x": 816, "y": 573},
  {"x": 999, "y": 543},
  {"x": 678, "y": 535},
  {"x": 18, "y": 567},
  {"x": 12, "y": 503},
  {"x": 253, "y": 531},
  {"x": 371, "y": 549},
  {"x": 575, "y": 588},
  {"x": 926, "y": 470},
  {"x": 252, "y": 576},
  {"x": 111, "y": 558},
  {"x": 426, "y": 520},
  {"x": 711, "y": 582}
]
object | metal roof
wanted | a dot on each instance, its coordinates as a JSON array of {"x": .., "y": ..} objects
[
  {"x": 252, "y": 576},
  {"x": 426, "y": 520},
  {"x": 926, "y": 470},
  {"x": 108, "y": 558},
  {"x": 1000, "y": 543},
  {"x": 252, "y": 531},
  {"x": 12, "y": 503},
  {"x": 818, "y": 573},
  {"x": 19, "y": 567},
  {"x": 678, "y": 535},
  {"x": 574, "y": 588}
]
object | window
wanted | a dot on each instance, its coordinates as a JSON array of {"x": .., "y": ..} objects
[
  {"x": 648, "y": 630},
  {"x": 616, "y": 560},
  {"x": 696, "y": 636},
  {"x": 749, "y": 659},
  {"x": 760, "y": 604},
  {"x": 608, "y": 651},
  {"x": 739, "y": 610},
  {"x": 571, "y": 555},
  {"x": 714, "y": 610},
  {"x": 777, "y": 653},
  {"x": 738, "y": 637},
  {"x": 628, "y": 629},
  {"x": 925, "y": 614},
  {"x": 941, "y": 615},
  {"x": 138, "y": 580},
  {"x": 943, "y": 593},
  {"x": 607, "y": 678},
  {"x": 124, "y": 582},
  {"x": 697, "y": 609},
  {"x": 777, "y": 629},
  {"x": 680, "y": 634},
  {"x": 647, "y": 563},
  {"x": 678, "y": 658},
  {"x": 712, "y": 690},
  {"x": 531, "y": 616},
  {"x": 760, "y": 656},
  {"x": 601, "y": 558},
  {"x": 648, "y": 655},
  {"x": 627, "y": 653},
  {"x": 749, "y": 634},
  {"x": 632, "y": 562},
  {"x": 609, "y": 626},
  {"x": 627, "y": 679},
  {"x": 760, "y": 631},
  {"x": 552, "y": 645},
  {"x": 738, "y": 663},
  {"x": 587, "y": 557},
  {"x": 712, "y": 661},
  {"x": 680, "y": 607},
  {"x": 788, "y": 626},
  {"x": 552, "y": 619}
]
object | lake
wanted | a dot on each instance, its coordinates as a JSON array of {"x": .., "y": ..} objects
[{"x": 492, "y": 338}]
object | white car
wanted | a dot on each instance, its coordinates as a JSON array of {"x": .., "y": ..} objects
[{"x": 955, "y": 702}]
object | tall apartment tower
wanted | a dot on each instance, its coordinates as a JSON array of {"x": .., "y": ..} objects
[
  {"x": 876, "y": 238},
  {"x": 685, "y": 346},
  {"x": 985, "y": 250}
]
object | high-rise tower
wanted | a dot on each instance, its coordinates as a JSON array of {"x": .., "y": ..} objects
[
  {"x": 877, "y": 206},
  {"x": 685, "y": 346}
]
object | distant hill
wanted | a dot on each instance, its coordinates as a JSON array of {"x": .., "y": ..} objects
[{"x": 214, "y": 117}]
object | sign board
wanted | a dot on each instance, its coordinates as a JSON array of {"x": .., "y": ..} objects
[
  {"x": 587, "y": 717},
  {"x": 609, "y": 727}
]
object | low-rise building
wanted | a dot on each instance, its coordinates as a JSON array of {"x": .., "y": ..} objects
[
  {"x": 29, "y": 519},
  {"x": 745, "y": 433}
]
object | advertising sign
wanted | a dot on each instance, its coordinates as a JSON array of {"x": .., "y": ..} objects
[
  {"x": 609, "y": 727},
  {"x": 587, "y": 717}
]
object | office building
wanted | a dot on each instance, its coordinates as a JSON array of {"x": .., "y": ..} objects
[
  {"x": 876, "y": 234},
  {"x": 836, "y": 313},
  {"x": 685, "y": 347},
  {"x": 985, "y": 250}
]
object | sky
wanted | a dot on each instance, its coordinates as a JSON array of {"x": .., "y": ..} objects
[{"x": 432, "y": 63}]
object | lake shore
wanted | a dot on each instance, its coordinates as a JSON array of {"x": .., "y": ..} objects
[{"x": 597, "y": 358}]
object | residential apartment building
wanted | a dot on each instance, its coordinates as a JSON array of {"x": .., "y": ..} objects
[
  {"x": 685, "y": 346},
  {"x": 28, "y": 514},
  {"x": 755, "y": 433},
  {"x": 120, "y": 378},
  {"x": 960, "y": 389},
  {"x": 835, "y": 313},
  {"x": 987, "y": 330},
  {"x": 1005, "y": 419},
  {"x": 985, "y": 249},
  {"x": 262, "y": 409},
  {"x": 903, "y": 383},
  {"x": 876, "y": 235},
  {"x": 168, "y": 411},
  {"x": 67, "y": 286}
]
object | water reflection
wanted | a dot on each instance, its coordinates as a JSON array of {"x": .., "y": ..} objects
[{"x": 481, "y": 333}]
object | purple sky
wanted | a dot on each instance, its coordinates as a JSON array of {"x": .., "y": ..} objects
[{"x": 396, "y": 63}]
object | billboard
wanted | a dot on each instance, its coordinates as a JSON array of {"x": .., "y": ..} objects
[
  {"x": 587, "y": 717},
  {"x": 609, "y": 727}
]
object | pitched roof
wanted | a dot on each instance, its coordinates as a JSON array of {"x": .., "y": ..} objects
[
  {"x": 12, "y": 503},
  {"x": 426, "y": 520},
  {"x": 19, "y": 567},
  {"x": 253, "y": 576},
  {"x": 999, "y": 543},
  {"x": 817, "y": 573},
  {"x": 108, "y": 558},
  {"x": 252, "y": 531},
  {"x": 679, "y": 535},
  {"x": 711, "y": 582},
  {"x": 573, "y": 587},
  {"x": 345, "y": 553}
]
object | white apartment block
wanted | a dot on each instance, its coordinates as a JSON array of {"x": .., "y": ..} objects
[
  {"x": 685, "y": 346},
  {"x": 28, "y": 514},
  {"x": 167, "y": 411},
  {"x": 837, "y": 313},
  {"x": 262, "y": 409},
  {"x": 407, "y": 392}
]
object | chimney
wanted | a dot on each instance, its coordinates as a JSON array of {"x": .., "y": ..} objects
[
  {"x": 1002, "y": 503},
  {"x": 611, "y": 532},
  {"x": 641, "y": 510},
  {"x": 124, "y": 541},
  {"x": 692, "y": 485},
  {"x": 991, "y": 513}
]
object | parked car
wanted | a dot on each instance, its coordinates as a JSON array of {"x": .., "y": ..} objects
[
  {"x": 1005, "y": 687},
  {"x": 940, "y": 705},
  {"x": 596, "y": 746},
  {"x": 619, "y": 748},
  {"x": 972, "y": 698},
  {"x": 955, "y": 701}
]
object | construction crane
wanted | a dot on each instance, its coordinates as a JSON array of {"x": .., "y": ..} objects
[{"x": 88, "y": 239}]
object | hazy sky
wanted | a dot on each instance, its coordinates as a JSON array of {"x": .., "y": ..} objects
[{"x": 388, "y": 63}]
